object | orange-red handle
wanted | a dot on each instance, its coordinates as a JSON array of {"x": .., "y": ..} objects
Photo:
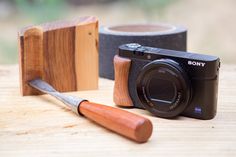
[{"x": 128, "y": 124}]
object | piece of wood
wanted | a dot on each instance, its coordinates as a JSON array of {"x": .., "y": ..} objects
[
  {"x": 125, "y": 123},
  {"x": 42, "y": 126},
  {"x": 121, "y": 92},
  {"x": 86, "y": 55},
  {"x": 68, "y": 55},
  {"x": 59, "y": 58},
  {"x": 32, "y": 58}
]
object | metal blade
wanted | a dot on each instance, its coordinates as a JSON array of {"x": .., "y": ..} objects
[{"x": 44, "y": 87}]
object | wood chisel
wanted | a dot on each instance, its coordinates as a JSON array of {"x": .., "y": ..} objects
[{"x": 125, "y": 123}]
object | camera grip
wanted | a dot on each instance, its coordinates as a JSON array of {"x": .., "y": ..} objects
[
  {"x": 121, "y": 95},
  {"x": 128, "y": 124}
]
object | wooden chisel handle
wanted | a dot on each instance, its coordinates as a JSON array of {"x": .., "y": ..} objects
[{"x": 120, "y": 121}]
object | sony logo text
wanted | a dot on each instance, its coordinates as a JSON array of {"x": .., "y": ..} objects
[{"x": 194, "y": 63}]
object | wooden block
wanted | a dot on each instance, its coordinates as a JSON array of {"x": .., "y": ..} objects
[
  {"x": 59, "y": 58},
  {"x": 86, "y": 37},
  {"x": 63, "y": 53},
  {"x": 32, "y": 57}
]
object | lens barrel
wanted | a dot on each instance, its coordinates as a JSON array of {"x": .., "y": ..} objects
[{"x": 163, "y": 88}]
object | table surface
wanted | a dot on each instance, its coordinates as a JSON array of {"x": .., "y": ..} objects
[{"x": 43, "y": 126}]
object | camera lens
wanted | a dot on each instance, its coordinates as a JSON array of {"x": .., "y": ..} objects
[
  {"x": 166, "y": 90},
  {"x": 163, "y": 88}
]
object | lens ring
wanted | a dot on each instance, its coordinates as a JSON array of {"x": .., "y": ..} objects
[{"x": 171, "y": 71}]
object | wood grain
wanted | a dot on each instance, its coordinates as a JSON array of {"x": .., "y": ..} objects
[
  {"x": 86, "y": 55},
  {"x": 68, "y": 55},
  {"x": 32, "y": 65},
  {"x": 120, "y": 121},
  {"x": 58, "y": 59},
  {"x": 41, "y": 126},
  {"x": 121, "y": 92}
]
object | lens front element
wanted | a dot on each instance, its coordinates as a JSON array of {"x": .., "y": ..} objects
[
  {"x": 163, "y": 88},
  {"x": 166, "y": 90}
]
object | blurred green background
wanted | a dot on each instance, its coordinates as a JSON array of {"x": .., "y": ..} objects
[{"x": 211, "y": 23}]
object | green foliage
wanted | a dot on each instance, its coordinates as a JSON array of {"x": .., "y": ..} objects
[
  {"x": 153, "y": 6},
  {"x": 33, "y": 11},
  {"x": 8, "y": 51},
  {"x": 42, "y": 10}
]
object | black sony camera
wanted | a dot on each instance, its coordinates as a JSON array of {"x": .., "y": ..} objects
[{"x": 166, "y": 82}]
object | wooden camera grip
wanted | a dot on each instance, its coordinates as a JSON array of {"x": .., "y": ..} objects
[
  {"x": 128, "y": 124},
  {"x": 121, "y": 93}
]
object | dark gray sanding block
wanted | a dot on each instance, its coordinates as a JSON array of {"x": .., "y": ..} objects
[{"x": 157, "y": 35}]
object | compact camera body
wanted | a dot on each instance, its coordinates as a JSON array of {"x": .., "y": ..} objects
[{"x": 167, "y": 83}]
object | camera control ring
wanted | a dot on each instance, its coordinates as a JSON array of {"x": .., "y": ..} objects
[{"x": 163, "y": 88}]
